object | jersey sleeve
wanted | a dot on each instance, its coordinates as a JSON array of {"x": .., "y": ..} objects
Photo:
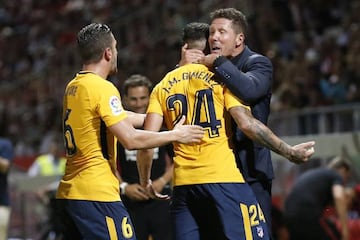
[
  {"x": 232, "y": 101},
  {"x": 154, "y": 102},
  {"x": 110, "y": 106}
]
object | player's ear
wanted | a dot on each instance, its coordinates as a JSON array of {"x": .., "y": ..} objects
[{"x": 108, "y": 54}]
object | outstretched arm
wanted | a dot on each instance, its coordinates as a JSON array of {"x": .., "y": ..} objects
[
  {"x": 258, "y": 132},
  {"x": 136, "y": 119},
  {"x": 132, "y": 138}
]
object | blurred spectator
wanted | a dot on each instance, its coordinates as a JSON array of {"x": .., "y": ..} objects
[
  {"x": 313, "y": 192},
  {"x": 51, "y": 163},
  {"x": 6, "y": 156},
  {"x": 333, "y": 89},
  {"x": 353, "y": 197},
  {"x": 354, "y": 213}
]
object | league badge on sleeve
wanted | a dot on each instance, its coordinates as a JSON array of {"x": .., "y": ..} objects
[{"x": 115, "y": 105}]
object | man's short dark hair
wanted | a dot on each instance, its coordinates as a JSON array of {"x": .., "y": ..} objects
[
  {"x": 195, "y": 31},
  {"x": 92, "y": 40},
  {"x": 238, "y": 19}
]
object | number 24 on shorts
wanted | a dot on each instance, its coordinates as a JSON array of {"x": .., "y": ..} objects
[{"x": 254, "y": 212}]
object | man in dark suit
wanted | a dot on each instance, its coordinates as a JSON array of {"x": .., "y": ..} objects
[{"x": 248, "y": 75}]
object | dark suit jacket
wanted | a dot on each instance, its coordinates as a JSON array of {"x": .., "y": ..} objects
[{"x": 249, "y": 77}]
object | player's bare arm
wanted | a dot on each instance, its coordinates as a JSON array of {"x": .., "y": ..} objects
[
  {"x": 136, "y": 119},
  {"x": 258, "y": 132},
  {"x": 132, "y": 138},
  {"x": 161, "y": 182},
  {"x": 153, "y": 122}
]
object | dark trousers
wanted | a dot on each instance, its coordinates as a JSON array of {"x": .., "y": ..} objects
[
  {"x": 150, "y": 218},
  {"x": 306, "y": 226}
]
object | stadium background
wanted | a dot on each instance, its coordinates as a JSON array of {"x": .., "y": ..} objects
[{"x": 314, "y": 47}]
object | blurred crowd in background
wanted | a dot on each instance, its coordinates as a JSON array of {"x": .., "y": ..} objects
[{"x": 314, "y": 47}]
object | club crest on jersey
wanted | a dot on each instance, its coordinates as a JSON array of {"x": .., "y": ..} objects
[
  {"x": 260, "y": 231},
  {"x": 115, "y": 105}
]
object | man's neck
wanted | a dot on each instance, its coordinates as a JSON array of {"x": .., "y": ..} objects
[
  {"x": 97, "y": 69},
  {"x": 237, "y": 51}
]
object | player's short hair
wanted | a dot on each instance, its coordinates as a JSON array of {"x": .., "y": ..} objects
[
  {"x": 195, "y": 34},
  {"x": 238, "y": 19},
  {"x": 137, "y": 80},
  {"x": 195, "y": 31},
  {"x": 92, "y": 40}
]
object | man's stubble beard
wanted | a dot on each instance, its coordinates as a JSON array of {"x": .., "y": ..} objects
[{"x": 114, "y": 68}]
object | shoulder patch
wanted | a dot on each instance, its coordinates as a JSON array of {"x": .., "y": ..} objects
[{"x": 115, "y": 105}]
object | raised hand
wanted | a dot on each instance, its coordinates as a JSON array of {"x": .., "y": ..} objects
[
  {"x": 209, "y": 59},
  {"x": 302, "y": 152},
  {"x": 190, "y": 55}
]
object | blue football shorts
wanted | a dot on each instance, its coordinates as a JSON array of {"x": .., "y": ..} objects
[
  {"x": 217, "y": 211},
  {"x": 91, "y": 220}
]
